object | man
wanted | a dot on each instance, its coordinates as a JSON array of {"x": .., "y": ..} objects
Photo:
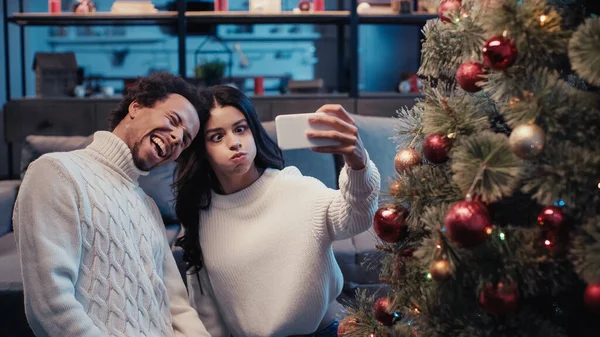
[{"x": 93, "y": 247}]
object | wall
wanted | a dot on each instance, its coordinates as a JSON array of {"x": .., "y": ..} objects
[
  {"x": 146, "y": 48},
  {"x": 384, "y": 52}
]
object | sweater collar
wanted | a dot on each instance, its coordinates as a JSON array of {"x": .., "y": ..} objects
[
  {"x": 113, "y": 151},
  {"x": 247, "y": 195}
]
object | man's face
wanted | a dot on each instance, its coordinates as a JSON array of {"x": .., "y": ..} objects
[{"x": 157, "y": 135}]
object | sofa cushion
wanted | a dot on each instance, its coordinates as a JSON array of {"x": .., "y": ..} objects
[
  {"x": 36, "y": 146},
  {"x": 158, "y": 185},
  {"x": 358, "y": 260},
  {"x": 310, "y": 163},
  {"x": 10, "y": 277},
  {"x": 8, "y": 195},
  {"x": 376, "y": 134}
]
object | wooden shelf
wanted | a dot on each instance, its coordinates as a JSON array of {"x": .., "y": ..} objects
[
  {"x": 168, "y": 18},
  {"x": 98, "y": 40},
  {"x": 396, "y": 19},
  {"x": 92, "y": 19},
  {"x": 388, "y": 94},
  {"x": 241, "y": 17},
  {"x": 327, "y": 17}
]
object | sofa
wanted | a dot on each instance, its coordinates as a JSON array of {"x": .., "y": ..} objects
[{"x": 351, "y": 254}]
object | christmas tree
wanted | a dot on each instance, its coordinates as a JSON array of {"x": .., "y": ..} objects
[{"x": 493, "y": 225}]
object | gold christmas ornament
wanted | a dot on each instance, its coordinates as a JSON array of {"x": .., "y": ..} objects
[
  {"x": 527, "y": 141},
  {"x": 440, "y": 270},
  {"x": 405, "y": 159}
]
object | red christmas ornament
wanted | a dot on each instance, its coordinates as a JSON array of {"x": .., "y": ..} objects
[
  {"x": 347, "y": 326},
  {"x": 499, "y": 53},
  {"x": 381, "y": 311},
  {"x": 500, "y": 299},
  {"x": 448, "y": 6},
  {"x": 591, "y": 297},
  {"x": 436, "y": 147},
  {"x": 389, "y": 223},
  {"x": 468, "y": 74},
  {"x": 467, "y": 222},
  {"x": 551, "y": 217}
]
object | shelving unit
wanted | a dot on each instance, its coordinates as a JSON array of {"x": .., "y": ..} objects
[{"x": 180, "y": 19}]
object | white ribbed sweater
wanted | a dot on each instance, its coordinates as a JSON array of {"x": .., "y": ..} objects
[
  {"x": 93, "y": 249},
  {"x": 269, "y": 264}
]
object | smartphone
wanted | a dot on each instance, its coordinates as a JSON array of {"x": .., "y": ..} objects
[{"x": 291, "y": 132}]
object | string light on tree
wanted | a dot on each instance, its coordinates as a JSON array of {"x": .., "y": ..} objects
[
  {"x": 499, "y": 53},
  {"x": 527, "y": 141}
]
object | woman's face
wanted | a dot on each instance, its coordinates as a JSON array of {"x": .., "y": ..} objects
[{"x": 230, "y": 146}]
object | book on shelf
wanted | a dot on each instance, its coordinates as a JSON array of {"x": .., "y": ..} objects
[{"x": 133, "y": 7}]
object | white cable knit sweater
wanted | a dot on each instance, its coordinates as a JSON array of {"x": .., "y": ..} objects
[
  {"x": 93, "y": 249},
  {"x": 269, "y": 265}
]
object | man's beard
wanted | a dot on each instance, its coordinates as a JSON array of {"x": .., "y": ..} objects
[{"x": 137, "y": 160}]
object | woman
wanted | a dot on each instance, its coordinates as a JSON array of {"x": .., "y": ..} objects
[{"x": 258, "y": 237}]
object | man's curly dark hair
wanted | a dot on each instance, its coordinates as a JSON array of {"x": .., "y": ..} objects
[{"x": 151, "y": 89}]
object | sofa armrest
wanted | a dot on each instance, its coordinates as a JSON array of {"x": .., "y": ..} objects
[{"x": 8, "y": 195}]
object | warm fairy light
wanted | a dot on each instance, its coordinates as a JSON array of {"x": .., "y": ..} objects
[
  {"x": 502, "y": 236},
  {"x": 547, "y": 242},
  {"x": 416, "y": 311},
  {"x": 429, "y": 276},
  {"x": 598, "y": 184},
  {"x": 543, "y": 19},
  {"x": 438, "y": 246},
  {"x": 489, "y": 230}
]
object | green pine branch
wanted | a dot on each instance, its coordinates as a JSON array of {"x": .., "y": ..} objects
[
  {"x": 564, "y": 172},
  {"x": 532, "y": 25},
  {"x": 427, "y": 185},
  {"x": 408, "y": 128},
  {"x": 584, "y": 51},
  {"x": 586, "y": 250},
  {"x": 452, "y": 113},
  {"x": 484, "y": 165},
  {"x": 447, "y": 45}
]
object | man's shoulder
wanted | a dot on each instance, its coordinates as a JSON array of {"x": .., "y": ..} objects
[{"x": 65, "y": 163}]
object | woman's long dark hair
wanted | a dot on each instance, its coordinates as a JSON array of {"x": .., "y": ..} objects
[{"x": 195, "y": 177}]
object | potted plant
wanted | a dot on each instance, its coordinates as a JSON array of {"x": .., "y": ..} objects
[{"x": 210, "y": 73}]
